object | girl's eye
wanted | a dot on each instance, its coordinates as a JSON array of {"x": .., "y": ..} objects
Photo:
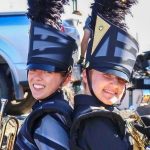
[
  {"x": 121, "y": 81},
  {"x": 107, "y": 76},
  {"x": 47, "y": 72},
  {"x": 32, "y": 70}
]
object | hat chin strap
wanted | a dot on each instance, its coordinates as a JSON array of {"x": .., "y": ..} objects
[
  {"x": 65, "y": 77},
  {"x": 91, "y": 89},
  {"x": 93, "y": 94}
]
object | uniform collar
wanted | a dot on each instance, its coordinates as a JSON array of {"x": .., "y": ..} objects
[
  {"x": 57, "y": 95},
  {"x": 88, "y": 100}
]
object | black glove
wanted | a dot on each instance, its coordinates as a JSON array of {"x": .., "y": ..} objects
[
  {"x": 144, "y": 130},
  {"x": 81, "y": 60}
]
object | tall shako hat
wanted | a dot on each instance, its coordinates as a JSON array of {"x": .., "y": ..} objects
[
  {"x": 112, "y": 49},
  {"x": 50, "y": 49}
]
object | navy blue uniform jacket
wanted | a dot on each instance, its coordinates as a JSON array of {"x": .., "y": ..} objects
[
  {"x": 98, "y": 133},
  {"x": 50, "y": 130}
]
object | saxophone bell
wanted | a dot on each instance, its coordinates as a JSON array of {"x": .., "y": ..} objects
[{"x": 141, "y": 141}]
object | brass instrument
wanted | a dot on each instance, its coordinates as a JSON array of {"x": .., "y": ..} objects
[
  {"x": 7, "y": 139},
  {"x": 140, "y": 141}
]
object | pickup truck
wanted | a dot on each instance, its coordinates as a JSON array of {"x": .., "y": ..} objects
[{"x": 14, "y": 41}]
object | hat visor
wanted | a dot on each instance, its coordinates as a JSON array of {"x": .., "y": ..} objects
[
  {"x": 115, "y": 72},
  {"x": 49, "y": 68}
]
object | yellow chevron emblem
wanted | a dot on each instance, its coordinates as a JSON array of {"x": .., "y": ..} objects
[{"x": 101, "y": 28}]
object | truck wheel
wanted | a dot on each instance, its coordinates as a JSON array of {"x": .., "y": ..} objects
[
  {"x": 14, "y": 107},
  {"x": 5, "y": 91},
  {"x": 18, "y": 107}
]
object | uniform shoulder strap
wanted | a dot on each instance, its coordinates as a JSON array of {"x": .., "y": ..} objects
[
  {"x": 61, "y": 107},
  {"x": 89, "y": 112}
]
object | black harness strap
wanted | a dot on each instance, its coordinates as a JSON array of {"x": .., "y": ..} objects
[
  {"x": 57, "y": 106},
  {"x": 90, "y": 112}
]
